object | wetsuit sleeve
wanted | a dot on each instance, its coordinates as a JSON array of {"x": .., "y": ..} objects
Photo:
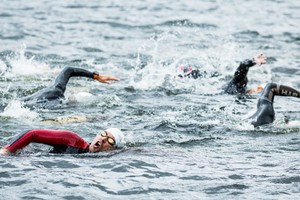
[
  {"x": 62, "y": 79},
  {"x": 55, "y": 138},
  {"x": 273, "y": 89},
  {"x": 57, "y": 90},
  {"x": 239, "y": 81},
  {"x": 265, "y": 113},
  {"x": 283, "y": 90}
]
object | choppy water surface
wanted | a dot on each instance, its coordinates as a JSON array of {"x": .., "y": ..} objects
[{"x": 184, "y": 139}]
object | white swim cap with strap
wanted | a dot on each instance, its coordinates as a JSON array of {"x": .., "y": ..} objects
[{"x": 118, "y": 135}]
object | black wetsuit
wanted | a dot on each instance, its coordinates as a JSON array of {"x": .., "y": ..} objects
[
  {"x": 57, "y": 90},
  {"x": 239, "y": 81},
  {"x": 265, "y": 113}
]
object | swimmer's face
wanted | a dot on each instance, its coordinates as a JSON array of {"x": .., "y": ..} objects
[{"x": 102, "y": 142}]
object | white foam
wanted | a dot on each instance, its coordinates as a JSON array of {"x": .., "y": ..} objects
[
  {"x": 293, "y": 124},
  {"x": 81, "y": 97},
  {"x": 2, "y": 67},
  {"x": 15, "y": 110},
  {"x": 164, "y": 62},
  {"x": 23, "y": 66}
]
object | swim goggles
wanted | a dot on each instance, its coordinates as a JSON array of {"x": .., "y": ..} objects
[{"x": 110, "y": 140}]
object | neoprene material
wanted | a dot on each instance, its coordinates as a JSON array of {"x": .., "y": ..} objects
[
  {"x": 239, "y": 81},
  {"x": 57, "y": 90},
  {"x": 62, "y": 141},
  {"x": 265, "y": 113}
]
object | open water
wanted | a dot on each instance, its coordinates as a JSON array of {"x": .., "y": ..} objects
[{"x": 185, "y": 140}]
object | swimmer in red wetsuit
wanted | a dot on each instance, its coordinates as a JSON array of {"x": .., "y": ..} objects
[
  {"x": 265, "y": 113},
  {"x": 57, "y": 90},
  {"x": 64, "y": 141}
]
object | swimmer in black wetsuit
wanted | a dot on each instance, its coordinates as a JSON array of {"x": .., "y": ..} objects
[
  {"x": 239, "y": 81},
  {"x": 57, "y": 90},
  {"x": 64, "y": 141},
  {"x": 265, "y": 113}
]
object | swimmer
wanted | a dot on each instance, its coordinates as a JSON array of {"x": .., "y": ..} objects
[
  {"x": 67, "y": 142},
  {"x": 265, "y": 113},
  {"x": 238, "y": 83},
  {"x": 57, "y": 90}
]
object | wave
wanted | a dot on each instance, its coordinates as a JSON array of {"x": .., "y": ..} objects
[{"x": 188, "y": 23}]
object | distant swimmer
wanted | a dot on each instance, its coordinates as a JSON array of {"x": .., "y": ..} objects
[
  {"x": 265, "y": 113},
  {"x": 57, "y": 90},
  {"x": 238, "y": 84},
  {"x": 64, "y": 141}
]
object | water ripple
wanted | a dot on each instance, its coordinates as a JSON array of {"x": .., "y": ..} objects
[{"x": 184, "y": 138}]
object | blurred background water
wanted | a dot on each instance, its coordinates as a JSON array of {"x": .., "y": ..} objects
[{"x": 184, "y": 139}]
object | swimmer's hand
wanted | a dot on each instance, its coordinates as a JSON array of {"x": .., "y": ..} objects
[
  {"x": 105, "y": 78},
  {"x": 4, "y": 151},
  {"x": 260, "y": 59}
]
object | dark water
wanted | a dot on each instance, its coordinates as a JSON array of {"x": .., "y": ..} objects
[{"x": 184, "y": 139}]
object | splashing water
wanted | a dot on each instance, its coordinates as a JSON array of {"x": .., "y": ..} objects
[
  {"x": 2, "y": 67},
  {"x": 23, "y": 66},
  {"x": 15, "y": 110}
]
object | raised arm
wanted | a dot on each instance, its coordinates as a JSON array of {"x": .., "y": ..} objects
[
  {"x": 265, "y": 113},
  {"x": 59, "y": 139},
  {"x": 239, "y": 81},
  {"x": 58, "y": 89},
  {"x": 68, "y": 72}
]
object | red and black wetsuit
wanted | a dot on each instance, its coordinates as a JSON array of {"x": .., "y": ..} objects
[
  {"x": 57, "y": 90},
  {"x": 265, "y": 113},
  {"x": 62, "y": 141}
]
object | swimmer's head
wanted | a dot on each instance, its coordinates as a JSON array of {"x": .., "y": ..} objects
[
  {"x": 184, "y": 70},
  {"x": 111, "y": 138},
  {"x": 118, "y": 135}
]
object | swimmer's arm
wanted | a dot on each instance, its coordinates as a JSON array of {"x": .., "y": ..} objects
[
  {"x": 239, "y": 80},
  {"x": 242, "y": 71},
  {"x": 99, "y": 77},
  {"x": 69, "y": 72},
  {"x": 258, "y": 59},
  {"x": 49, "y": 137},
  {"x": 62, "y": 79},
  {"x": 21, "y": 140}
]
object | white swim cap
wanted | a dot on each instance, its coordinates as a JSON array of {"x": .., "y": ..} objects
[{"x": 118, "y": 135}]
